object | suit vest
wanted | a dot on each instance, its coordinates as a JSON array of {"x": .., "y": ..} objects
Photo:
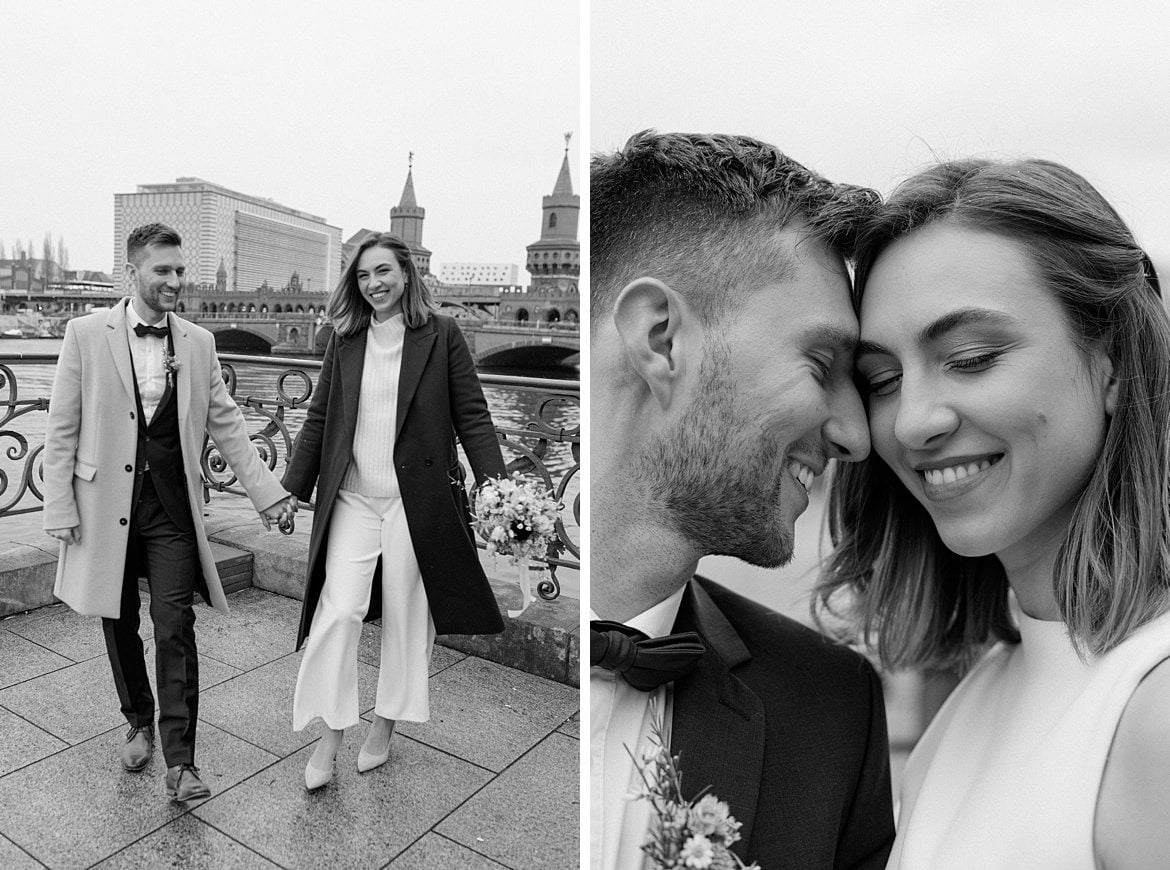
[{"x": 160, "y": 454}]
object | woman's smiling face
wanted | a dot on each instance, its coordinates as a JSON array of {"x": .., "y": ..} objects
[{"x": 979, "y": 399}]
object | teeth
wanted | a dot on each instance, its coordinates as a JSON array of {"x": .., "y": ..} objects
[
  {"x": 953, "y": 473},
  {"x": 802, "y": 473}
]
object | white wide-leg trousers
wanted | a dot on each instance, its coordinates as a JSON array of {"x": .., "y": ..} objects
[{"x": 362, "y": 529}]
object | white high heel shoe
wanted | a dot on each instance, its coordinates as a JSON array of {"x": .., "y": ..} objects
[
  {"x": 315, "y": 777},
  {"x": 367, "y": 761}
]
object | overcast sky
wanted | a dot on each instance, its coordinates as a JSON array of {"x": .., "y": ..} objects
[
  {"x": 314, "y": 105},
  {"x": 868, "y": 92}
]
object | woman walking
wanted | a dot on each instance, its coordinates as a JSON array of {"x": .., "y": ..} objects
[{"x": 390, "y": 530}]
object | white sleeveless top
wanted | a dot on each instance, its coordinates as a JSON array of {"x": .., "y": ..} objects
[{"x": 1007, "y": 774}]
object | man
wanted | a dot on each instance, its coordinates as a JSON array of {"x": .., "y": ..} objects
[
  {"x": 721, "y": 366},
  {"x": 136, "y": 391}
]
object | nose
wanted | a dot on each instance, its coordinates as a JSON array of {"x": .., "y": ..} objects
[
  {"x": 923, "y": 416},
  {"x": 847, "y": 430}
]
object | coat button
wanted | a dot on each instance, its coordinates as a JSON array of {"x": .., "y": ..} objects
[
  {"x": 131, "y": 415},
  {"x": 129, "y": 467},
  {"x": 122, "y": 521},
  {"x": 428, "y": 463}
]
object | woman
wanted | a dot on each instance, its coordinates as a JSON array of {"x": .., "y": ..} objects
[
  {"x": 1015, "y": 354},
  {"x": 397, "y": 383}
]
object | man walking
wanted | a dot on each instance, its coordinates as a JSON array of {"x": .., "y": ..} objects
[
  {"x": 136, "y": 390},
  {"x": 721, "y": 362}
]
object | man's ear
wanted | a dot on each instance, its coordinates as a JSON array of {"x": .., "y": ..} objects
[
  {"x": 130, "y": 271},
  {"x": 649, "y": 316}
]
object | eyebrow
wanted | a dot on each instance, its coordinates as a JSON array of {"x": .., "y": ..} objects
[
  {"x": 936, "y": 329},
  {"x": 829, "y": 335}
]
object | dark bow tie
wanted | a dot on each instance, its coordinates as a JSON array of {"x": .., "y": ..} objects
[
  {"x": 643, "y": 662},
  {"x": 142, "y": 329}
]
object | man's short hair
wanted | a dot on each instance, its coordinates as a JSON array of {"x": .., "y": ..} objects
[
  {"x": 701, "y": 212},
  {"x": 149, "y": 234}
]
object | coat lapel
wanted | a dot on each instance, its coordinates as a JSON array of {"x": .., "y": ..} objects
[
  {"x": 416, "y": 349},
  {"x": 352, "y": 352},
  {"x": 119, "y": 346},
  {"x": 718, "y": 723},
  {"x": 182, "y": 379}
]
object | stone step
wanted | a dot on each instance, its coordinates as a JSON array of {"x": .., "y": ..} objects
[{"x": 234, "y": 566}]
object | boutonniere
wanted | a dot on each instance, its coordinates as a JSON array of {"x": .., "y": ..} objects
[
  {"x": 684, "y": 835},
  {"x": 171, "y": 364}
]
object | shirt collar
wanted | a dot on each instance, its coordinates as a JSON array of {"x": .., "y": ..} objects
[
  {"x": 133, "y": 319},
  {"x": 658, "y": 620}
]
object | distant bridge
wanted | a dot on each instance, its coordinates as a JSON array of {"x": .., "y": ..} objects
[{"x": 491, "y": 342}]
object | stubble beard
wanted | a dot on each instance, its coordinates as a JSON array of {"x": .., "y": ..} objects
[{"x": 717, "y": 479}]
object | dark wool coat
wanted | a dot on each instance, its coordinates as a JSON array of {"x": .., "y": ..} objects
[
  {"x": 439, "y": 397},
  {"x": 789, "y": 729}
]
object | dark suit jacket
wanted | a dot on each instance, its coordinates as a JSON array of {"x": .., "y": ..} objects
[
  {"x": 439, "y": 397},
  {"x": 789, "y": 728}
]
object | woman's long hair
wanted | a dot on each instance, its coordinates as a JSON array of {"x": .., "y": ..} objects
[
  {"x": 348, "y": 310},
  {"x": 890, "y": 571}
]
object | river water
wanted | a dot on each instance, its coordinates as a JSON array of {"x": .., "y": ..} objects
[{"x": 510, "y": 408}]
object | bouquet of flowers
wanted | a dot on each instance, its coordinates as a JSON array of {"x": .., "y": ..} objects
[
  {"x": 517, "y": 516},
  {"x": 686, "y": 835}
]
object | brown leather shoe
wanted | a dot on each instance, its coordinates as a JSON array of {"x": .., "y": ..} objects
[
  {"x": 184, "y": 784},
  {"x": 138, "y": 747}
]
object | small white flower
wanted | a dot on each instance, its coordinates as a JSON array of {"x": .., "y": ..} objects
[{"x": 698, "y": 852}]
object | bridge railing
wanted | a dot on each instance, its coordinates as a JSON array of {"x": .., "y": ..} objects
[{"x": 540, "y": 436}]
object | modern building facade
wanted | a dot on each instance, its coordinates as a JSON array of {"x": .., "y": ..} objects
[{"x": 232, "y": 240}]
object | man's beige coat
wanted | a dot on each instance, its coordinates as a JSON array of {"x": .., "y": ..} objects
[{"x": 92, "y": 439}]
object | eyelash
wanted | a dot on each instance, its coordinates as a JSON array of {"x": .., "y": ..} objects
[
  {"x": 976, "y": 363},
  {"x": 972, "y": 364}
]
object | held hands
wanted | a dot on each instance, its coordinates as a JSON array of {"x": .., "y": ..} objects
[
  {"x": 71, "y": 535},
  {"x": 281, "y": 514}
]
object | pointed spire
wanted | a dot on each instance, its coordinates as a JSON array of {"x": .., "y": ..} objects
[
  {"x": 564, "y": 185},
  {"x": 408, "y": 200}
]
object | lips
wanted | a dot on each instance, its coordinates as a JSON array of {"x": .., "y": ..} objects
[{"x": 949, "y": 478}]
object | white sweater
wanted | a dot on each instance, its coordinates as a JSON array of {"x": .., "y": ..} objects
[{"x": 371, "y": 471}]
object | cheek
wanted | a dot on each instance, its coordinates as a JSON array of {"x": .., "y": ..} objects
[{"x": 881, "y": 416}]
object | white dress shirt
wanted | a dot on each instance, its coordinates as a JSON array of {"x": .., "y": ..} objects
[
  {"x": 619, "y": 722},
  {"x": 148, "y": 353}
]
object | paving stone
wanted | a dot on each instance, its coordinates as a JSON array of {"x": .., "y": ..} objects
[
  {"x": 189, "y": 843},
  {"x": 572, "y": 726},
  {"x": 257, "y": 706},
  {"x": 22, "y": 659},
  {"x": 435, "y": 851},
  {"x": 100, "y": 808},
  {"x": 370, "y": 649},
  {"x": 357, "y": 820},
  {"x": 490, "y": 714},
  {"x": 23, "y": 743},
  {"x": 12, "y": 857},
  {"x": 528, "y": 818},
  {"x": 81, "y": 701},
  {"x": 66, "y": 633},
  {"x": 260, "y": 628}
]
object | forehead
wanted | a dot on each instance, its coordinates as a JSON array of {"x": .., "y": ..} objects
[
  {"x": 376, "y": 256},
  {"x": 944, "y": 267},
  {"x": 161, "y": 255},
  {"x": 808, "y": 293}
]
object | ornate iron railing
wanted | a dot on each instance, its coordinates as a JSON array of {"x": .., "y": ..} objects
[{"x": 542, "y": 436}]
